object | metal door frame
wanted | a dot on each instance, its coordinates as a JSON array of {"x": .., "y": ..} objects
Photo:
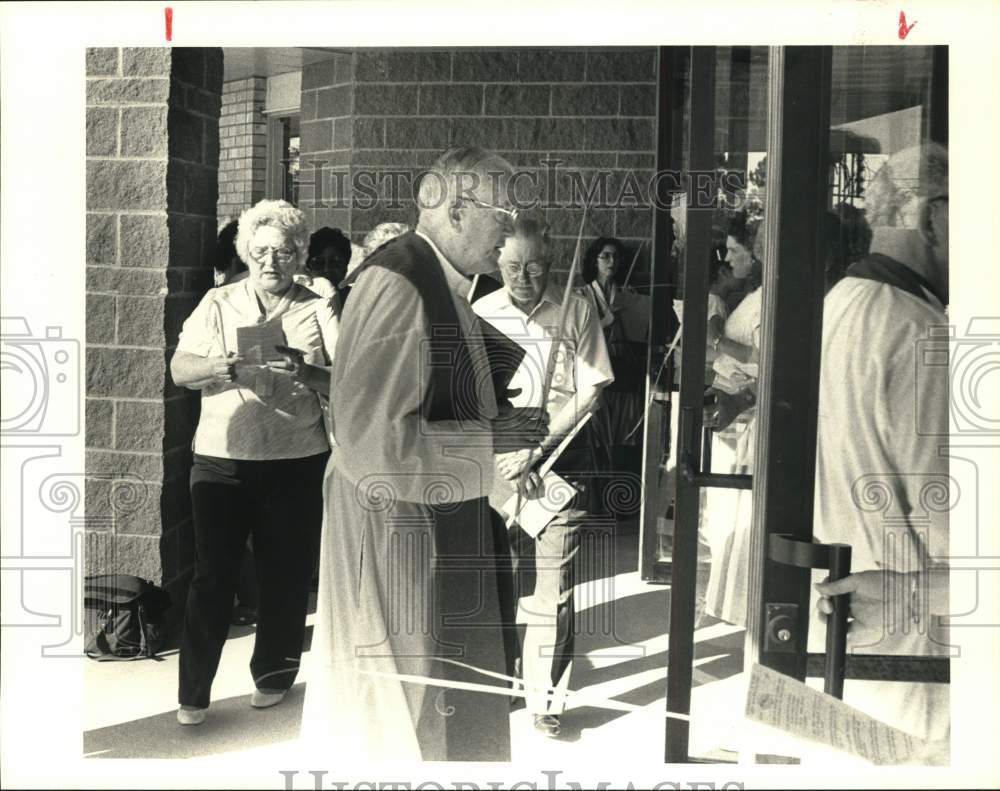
[
  {"x": 791, "y": 332},
  {"x": 663, "y": 324},
  {"x": 684, "y": 560},
  {"x": 798, "y": 137}
]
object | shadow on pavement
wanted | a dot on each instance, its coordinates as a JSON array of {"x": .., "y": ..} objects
[{"x": 231, "y": 725}]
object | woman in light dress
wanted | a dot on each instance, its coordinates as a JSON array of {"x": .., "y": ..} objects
[{"x": 728, "y": 512}]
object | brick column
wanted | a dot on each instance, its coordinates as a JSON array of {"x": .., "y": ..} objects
[
  {"x": 152, "y": 188},
  {"x": 243, "y": 140}
]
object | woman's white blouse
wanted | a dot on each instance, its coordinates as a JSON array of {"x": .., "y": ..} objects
[{"x": 263, "y": 415}]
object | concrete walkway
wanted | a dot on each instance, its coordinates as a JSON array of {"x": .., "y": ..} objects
[{"x": 622, "y": 646}]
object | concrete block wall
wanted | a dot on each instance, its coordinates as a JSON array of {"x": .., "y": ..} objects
[
  {"x": 243, "y": 145},
  {"x": 593, "y": 109},
  {"x": 327, "y": 142},
  {"x": 152, "y": 192}
]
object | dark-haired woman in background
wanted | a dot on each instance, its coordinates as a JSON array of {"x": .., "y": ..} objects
[
  {"x": 228, "y": 265},
  {"x": 326, "y": 265},
  {"x": 617, "y": 423}
]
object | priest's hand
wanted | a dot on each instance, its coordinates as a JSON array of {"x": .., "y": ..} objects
[{"x": 519, "y": 427}]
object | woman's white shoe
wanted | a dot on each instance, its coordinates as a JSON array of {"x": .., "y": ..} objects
[{"x": 191, "y": 715}]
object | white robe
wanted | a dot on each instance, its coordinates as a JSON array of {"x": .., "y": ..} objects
[{"x": 882, "y": 471}]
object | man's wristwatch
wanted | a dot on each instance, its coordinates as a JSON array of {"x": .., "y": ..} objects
[{"x": 716, "y": 342}]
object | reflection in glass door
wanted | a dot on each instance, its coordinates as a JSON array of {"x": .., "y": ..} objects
[
  {"x": 784, "y": 143},
  {"x": 712, "y": 461}
]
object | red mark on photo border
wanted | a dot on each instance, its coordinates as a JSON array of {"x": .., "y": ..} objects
[
  {"x": 168, "y": 14},
  {"x": 904, "y": 29}
]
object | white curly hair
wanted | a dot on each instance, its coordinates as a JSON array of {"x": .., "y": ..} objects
[
  {"x": 278, "y": 214},
  {"x": 908, "y": 178},
  {"x": 381, "y": 234}
]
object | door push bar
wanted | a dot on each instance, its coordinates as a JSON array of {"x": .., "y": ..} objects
[
  {"x": 690, "y": 470},
  {"x": 837, "y": 559}
]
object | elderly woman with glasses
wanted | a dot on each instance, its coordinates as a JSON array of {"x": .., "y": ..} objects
[{"x": 259, "y": 351}]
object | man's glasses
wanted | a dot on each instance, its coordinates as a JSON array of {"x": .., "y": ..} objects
[
  {"x": 533, "y": 269},
  {"x": 281, "y": 254},
  {"x": 505, "y": 215}
]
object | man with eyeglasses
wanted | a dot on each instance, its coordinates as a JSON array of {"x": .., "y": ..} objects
[
  {"x": 411, "y": 620},
  {"x": 527, "y": 310}
]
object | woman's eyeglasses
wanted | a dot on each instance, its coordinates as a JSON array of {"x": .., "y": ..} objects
[{"x": 281, "y": 254}]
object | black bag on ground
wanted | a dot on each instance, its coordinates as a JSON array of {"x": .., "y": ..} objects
[{"x": 123, "y": 616}]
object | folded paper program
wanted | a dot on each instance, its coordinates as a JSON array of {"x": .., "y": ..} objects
[{"x": 782, "y": 702}]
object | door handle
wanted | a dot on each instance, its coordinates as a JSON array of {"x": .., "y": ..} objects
[
  {"x": 689, "y": 469},
  {"x": 837, "y": 559}
]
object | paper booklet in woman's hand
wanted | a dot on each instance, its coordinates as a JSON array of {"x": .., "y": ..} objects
[{"x": 258, "y": 343}]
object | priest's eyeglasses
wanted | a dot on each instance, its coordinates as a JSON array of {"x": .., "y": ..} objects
[{"x": 503, "y": 215}]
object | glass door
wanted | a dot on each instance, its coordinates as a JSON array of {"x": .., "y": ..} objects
[
  {"x": 712, "y": 153},
  {"x": 775, "y": 148}
]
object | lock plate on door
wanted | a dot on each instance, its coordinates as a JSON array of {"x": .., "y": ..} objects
[{"x": 781, "y": 634}]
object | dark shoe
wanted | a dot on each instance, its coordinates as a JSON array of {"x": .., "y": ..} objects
[
  {"x": 547, "y": 725},
  {"x": 265, "y": 698}
]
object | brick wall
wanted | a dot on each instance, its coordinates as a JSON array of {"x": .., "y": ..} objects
[
  {"x": 327, "y": 129},
  {"x": 152, "y": 189},
  {"x": 243, "y": 144},
  {"x": 374, "y": 109}
]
